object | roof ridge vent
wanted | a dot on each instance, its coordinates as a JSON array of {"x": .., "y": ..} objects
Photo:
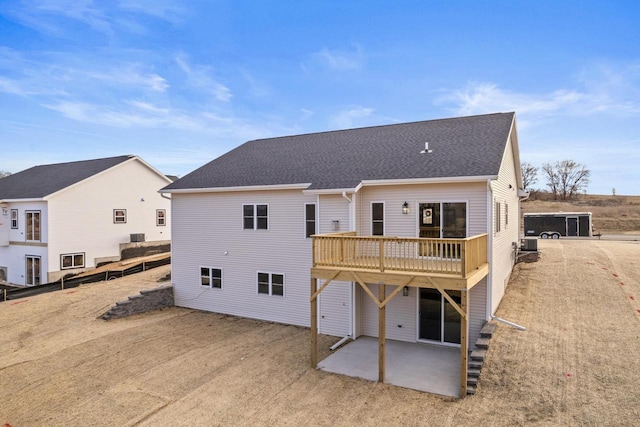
[{"x": 426, "y": 149}]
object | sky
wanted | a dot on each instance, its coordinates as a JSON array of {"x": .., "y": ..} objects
[{"x": 180, "y": 83}]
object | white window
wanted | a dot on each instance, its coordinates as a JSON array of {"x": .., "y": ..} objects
[
  {"x": 72, "y": 260},
  {"x": 310, "y": 219},
  {"x": 119, "y": 216},
  {"x": 377, "y": 219},
  {"x": 497, "y": 217},
  {"x": 255, "y": 217},
  {"x": 271, "y": 284},
  {"x": 32, "y": 270},
  {"x": 14, "y": 218},
  {"x": 161, "y": 217},
  {"x": 33, "y": 226},
  {"x": 211, "y": 277}
]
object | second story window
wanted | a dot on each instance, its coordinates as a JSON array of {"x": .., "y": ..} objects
[
  {"x": 161, "y": 217},
  {"x": 119, "y": 216},
  {"x": 377, "y": 219},
  {"x": 33, "y": 226},
  {"x": 14, "y": 218},
  {"x": 310, "y": 219},
  {"x": 255, "y": 217}
]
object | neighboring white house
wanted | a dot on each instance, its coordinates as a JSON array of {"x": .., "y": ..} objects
[
  {"x": 242, "y": 227},
  {"x": 68, "y": 217}
]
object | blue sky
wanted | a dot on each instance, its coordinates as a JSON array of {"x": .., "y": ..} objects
[{"x": 180, "y": 83}]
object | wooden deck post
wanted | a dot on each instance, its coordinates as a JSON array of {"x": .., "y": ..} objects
[
  {"x": 382, "y": 332},
  {"x": 464, "y": 345},
  {"x": 314, "y": 325}
]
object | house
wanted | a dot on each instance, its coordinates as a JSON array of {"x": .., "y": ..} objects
[
  {"x": 65, "y": 218},
  {"x": 405, "y": 232}
]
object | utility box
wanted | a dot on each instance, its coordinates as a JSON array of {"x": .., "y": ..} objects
[{"x": 137, "y": 237}]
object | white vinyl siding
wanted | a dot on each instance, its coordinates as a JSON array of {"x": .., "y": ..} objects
[
  {"x": 401, "y": 314},
  {"x": 241, "y": 254},
  {"x": 334, "y": 306}
]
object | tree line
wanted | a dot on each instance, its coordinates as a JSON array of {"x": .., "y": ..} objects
[{"x": 564, "y": 179}]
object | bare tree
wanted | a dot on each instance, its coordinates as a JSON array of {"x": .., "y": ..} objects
[
  {"x": 529, "y": 175},
  {"x": 566, "y": 178},
  {"x": 4, "y": 173}
]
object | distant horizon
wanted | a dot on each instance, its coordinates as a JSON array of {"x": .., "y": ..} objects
[{"x": 180, "y": 84}]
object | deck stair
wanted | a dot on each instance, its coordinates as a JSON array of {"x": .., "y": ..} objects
[{"x": 476, "y": 359}]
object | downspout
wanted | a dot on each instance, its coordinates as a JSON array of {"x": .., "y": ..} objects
[
  {"x": 490, "y": 230},
  {"x": 165, "y": 197}
]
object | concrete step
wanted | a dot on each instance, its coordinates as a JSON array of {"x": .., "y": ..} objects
[
  {"x": 471, "y": 390},
  {"x": 472, "y": 382},
  {"x": 483, "y": 343},
  {"x": 474, "y": 364},
  {"x": 473, "y": 373},
  {"x": 488, "y": 329},
  {"x": 478, "y": 355}
]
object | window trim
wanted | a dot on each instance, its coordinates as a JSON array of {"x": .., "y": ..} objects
[
  {"x": 30, "y": 223},
  {"x": 210, "y": 285},
  {"x": 72, "y": 255},
  {"x": 498, "y": 217},
  {"x": 307, "y": 221},
  {"x": 14, "y": 219},
  {"x": 161, "y": 220},
  {"x": 384, "y": 214},
  {"x": 254, "y": 216},
  {"x": 116, "y": 216},
  {"x": 270, "y": 283},
  {"x": 506, "y": 215}
]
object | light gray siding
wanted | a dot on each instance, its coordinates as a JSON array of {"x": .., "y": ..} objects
[
  {"x": 208, "y": 231},
  {"x": 504, "y": 192},
  {"x": 335, "y": 301},
  {"x": 401, "y": 315}
]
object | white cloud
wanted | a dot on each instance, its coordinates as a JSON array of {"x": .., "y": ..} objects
[
  {"x": 199, "y": 76},
  {"x": 340, "y": 60},
  {"x": 350, "y": 117}
]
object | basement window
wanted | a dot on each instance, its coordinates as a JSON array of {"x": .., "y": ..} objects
[
  {"x": 72, "y": 260},
  {"x": 271, "y": 284},
  {"x": 211, "y": 277}
]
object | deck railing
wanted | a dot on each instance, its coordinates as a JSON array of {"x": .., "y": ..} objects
[{"x": 457, "y": 257}]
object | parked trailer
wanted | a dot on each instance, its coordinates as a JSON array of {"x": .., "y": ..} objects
[{"x": 554, "y": 225}]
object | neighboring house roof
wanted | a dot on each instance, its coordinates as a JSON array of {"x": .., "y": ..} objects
[
  {"x": 459, "y": 147},
  {"x": 40, "y": 181}
]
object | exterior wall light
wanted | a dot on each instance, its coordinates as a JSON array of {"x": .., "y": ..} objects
[{"x": 405, "y": 208}]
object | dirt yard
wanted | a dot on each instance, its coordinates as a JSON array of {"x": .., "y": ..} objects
[{"x": 578, "y": 362}]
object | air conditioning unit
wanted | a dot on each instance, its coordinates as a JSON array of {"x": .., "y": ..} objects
[
  {"x": 137, "y": 237},
  {"x": 4, "y": 275},
  {"x": 529, "y": 245}
]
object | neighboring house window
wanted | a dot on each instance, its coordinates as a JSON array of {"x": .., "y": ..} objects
[
  {"x": 310, "y": 219},
  {"x": 161, "y": 217},
  {"x": 211, "y": 277},
  {"x": 255, "y": 217},
  {"x": 271, "y": 284},
  {"x": 377, "y": 219},
  {"x": 498, "y": 217},
  {"x": 14, "y": 218},
  {"x": 72, "y": 260},
  {"x": 33, "y": 226},
  {"x": 119, "y": 216}
]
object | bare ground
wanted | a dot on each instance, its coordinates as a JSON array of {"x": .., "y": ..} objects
[{"x": 578, "y": 363}]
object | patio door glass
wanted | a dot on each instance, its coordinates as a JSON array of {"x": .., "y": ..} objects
[
  {"x": 442, "y": 220},
  {"x": 438, "y": 320}
]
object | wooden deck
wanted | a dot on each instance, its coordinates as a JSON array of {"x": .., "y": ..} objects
[{"x": 461, "y": 262}]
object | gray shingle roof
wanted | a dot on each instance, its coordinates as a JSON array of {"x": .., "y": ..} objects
[
  {"x": 40, "y": 181},
  {"x": 461, "y": 147}
]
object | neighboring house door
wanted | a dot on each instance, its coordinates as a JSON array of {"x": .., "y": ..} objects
[
  {"x": 572, "y": 226},
  {"x": 437, "y": 319},
  {"x": 32, "y": 276}
]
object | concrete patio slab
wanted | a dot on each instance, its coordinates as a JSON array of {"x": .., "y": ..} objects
[{"x": 423, "y": 367}]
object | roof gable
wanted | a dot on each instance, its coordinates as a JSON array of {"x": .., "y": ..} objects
[
  {"x": 40, "y": 181},
  {"x": 459, "y": 147}
]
